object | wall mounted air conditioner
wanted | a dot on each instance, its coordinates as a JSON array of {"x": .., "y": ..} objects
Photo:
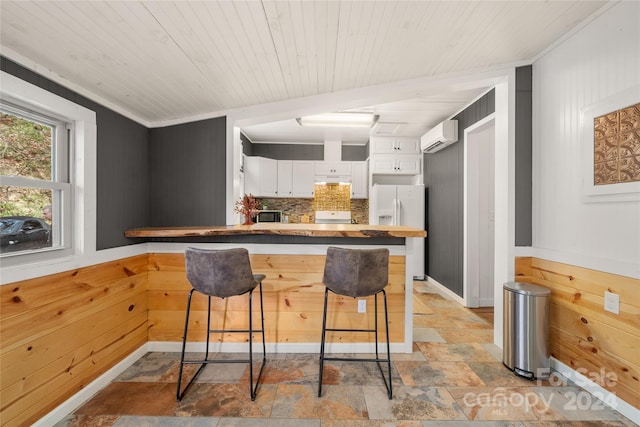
[{"x": 443, "y": 135}]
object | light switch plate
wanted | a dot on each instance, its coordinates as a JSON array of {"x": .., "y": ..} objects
[
  {"x": 362, "y": 306},
  {"x": 612, "y": 302}
]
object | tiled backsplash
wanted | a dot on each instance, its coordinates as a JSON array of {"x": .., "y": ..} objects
[
  {"x": 295, "y": 208},
  {"x": 334, "y": 197}
]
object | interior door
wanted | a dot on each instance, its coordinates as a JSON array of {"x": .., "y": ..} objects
[{"x": 479, "y": 223}]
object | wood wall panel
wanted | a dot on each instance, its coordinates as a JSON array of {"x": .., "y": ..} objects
[
  {"x": 293, "y": 298},
  {"x": 62, "y": 331},
  {"x": 582, "y": 334}
]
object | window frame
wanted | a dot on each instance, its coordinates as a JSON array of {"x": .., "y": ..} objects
[
  {"x": 60, "y": 183},
  {"x": 79, "y": 198}
]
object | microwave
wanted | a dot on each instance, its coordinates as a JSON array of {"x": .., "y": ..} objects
[{"x": 269, "y": 216}]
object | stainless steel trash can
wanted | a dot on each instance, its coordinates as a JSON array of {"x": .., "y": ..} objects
[{"x": 526, "y": 329}]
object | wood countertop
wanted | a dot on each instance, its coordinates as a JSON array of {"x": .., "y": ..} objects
[{"x": 309, "y": 230}]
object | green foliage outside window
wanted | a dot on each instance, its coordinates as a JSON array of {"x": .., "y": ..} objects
[{"x": 25, "y": 151}]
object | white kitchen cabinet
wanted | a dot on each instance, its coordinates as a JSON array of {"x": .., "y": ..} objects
[
  {"x": 303, "y": 178},
  {"x": 399, "y": 164},
  {"x": 285, "y": 182},
  {"x": 336, "y": 168},
  {"x": 359, "y": 180},
  {"x": 386, "y": 145},
  {"x": 260, "y": 176}
]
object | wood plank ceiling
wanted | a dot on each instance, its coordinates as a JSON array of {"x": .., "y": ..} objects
[{"x": 159, "y": 61}]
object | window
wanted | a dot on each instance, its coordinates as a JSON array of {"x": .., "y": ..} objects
[
  {"x": 36, "y": 189},
  {"x": 48, "y": 189}
]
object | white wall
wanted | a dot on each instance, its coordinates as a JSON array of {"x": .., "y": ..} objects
[{"x": 599, "y": 63}]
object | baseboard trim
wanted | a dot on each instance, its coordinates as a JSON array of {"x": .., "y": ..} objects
[
  {"x": 75, "y": 401},
  {"x": 486, "y": 302},
  {"x": 173, "y": 346},
  {"x": 446, "y": 290},
  {"x": 607, "y": 397}
]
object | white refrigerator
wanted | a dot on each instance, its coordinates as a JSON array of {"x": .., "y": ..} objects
[{"x": 401, "y": 205}]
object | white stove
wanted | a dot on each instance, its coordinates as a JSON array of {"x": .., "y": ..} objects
[{"x": 333, "y": 217}]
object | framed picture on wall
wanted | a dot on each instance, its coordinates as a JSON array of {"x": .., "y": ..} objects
[{"x": 610, "y": 147}]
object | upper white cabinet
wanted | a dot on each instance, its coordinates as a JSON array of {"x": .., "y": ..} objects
[
  {"x": 261, "y": 176},
  {"x": 335, "y": 168},
  {"x": 303, "y": 178},
  {"x": 278, "y": 178},
  {"x": 405, "y": 164},
  {"x": 359, "y": 181},
  {"x": 386, "y": 145},
  {"x": 395, "y": 156},
  {"x": 285, "y": 179}
]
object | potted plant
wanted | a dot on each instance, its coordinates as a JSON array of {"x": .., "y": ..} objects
[{"x": 248, "y": 207}]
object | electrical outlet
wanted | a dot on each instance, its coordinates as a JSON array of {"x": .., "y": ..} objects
[
  {"x": 362, "y": 306},
  {"x": 612, "y": 302}
]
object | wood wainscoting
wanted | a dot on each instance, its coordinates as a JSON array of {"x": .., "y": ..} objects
[
  {"x": 583, "y": 335},
  {"x": 293, "y": 302},
  {"x": 60, "y": 332}
]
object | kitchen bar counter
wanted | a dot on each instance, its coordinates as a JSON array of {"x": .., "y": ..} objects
[
  {"x": 269, "y": 228},
  {"x": 292, "y": 257}
]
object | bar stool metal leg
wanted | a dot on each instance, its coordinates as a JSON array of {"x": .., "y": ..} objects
[
  {"x": 386, "y": 322},
  {"x": 253, "y": 388},
  {"x": 324, "y": 332},
  {"x": 179, "y": 393},
  {"x": 388, "y": 382}
]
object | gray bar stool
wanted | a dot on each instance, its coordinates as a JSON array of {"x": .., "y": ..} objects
[
  {"x": 357, "y": 273},
  {"x": 222, "y": 274}
]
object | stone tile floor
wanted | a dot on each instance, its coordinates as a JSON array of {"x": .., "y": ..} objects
[{"x": 454, "y": 377}]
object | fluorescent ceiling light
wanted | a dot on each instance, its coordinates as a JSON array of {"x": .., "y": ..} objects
[{"x": 345, "y": 119}]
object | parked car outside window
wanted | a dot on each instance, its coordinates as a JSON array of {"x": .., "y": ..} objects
[{"x": 19, "y": 233}]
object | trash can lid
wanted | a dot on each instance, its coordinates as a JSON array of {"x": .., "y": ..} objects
[{"x": 527, "y": 289}]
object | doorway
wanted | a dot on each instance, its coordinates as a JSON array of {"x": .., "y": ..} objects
[{"x": 479, "y": 213}]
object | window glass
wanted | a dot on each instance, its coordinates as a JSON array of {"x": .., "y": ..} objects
[
  {"x": 26, "y": 219},
  {"x": 33, "y": 159},
  {"x": 26, "y": 147}
]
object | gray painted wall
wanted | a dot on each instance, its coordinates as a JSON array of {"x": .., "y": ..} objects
[
  {"x": 443, "y": 179},
  {"x": 524, "y": 138},
  {"x": 301, "y": 151},
  {"x": 123, "y": 164},
  {"x": 187, "y": 174}
]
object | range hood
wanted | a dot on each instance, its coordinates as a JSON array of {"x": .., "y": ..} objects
[
  {"x": 332, "y": 150},
  {"x": 332, "y": 153}
]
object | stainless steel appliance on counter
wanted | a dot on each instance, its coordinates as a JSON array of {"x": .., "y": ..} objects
[
  {"x": 333, "y": 217},
  {"x": 269, "y": 216}
]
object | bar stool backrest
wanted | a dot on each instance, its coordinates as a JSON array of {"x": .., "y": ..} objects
[
  {"x": 356, "y": 272},
  {"x": 219, "y": 273}
]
